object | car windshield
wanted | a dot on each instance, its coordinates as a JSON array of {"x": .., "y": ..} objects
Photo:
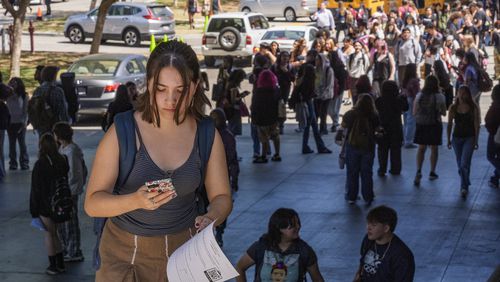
[
  {"x": 95, "y": 67},
  {"x": 283, "y": 35}
]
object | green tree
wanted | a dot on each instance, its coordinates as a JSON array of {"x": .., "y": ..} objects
[{"x": 18, "y": 22}]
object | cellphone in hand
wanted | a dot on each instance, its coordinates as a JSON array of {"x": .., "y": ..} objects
[{"x": 161, "y": 185}]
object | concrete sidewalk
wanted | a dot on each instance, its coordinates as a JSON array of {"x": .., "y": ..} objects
[{"x": 452, "y": 239}]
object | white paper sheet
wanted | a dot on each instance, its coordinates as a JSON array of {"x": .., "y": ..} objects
[{"x": 200, "y": 260}]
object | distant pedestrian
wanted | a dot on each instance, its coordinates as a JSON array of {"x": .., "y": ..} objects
[
  {"x": 384, "y": 256},
  {"x": 233, "y": 166},
  {"x": 390, "y": 107},
  {"x": 492, "y": 123},
  {"x": 361, "y": 124},
  {"x": 4, "y": 125},
  {"x": 429, "y": 106},
  {"x": 192, "y": 9},
  {"x": 49, "y": 10},
  {"x": 464, "y": 118},
  {"x": 216, "y": 7},
  {"x": 119, "y": 105},
  {"x": 324, "y": 18},
  {"x": 69, "y": 88},
  {"x": 49, "y": 166},
  {"x": 471, "y": 77},
  {"x": 265, "y": 117},
  {"x": 38, "y": 74},
  {"x": 69, "y": 231},
  {"x": 53, "y": 96},
  {"x": 18, "y": 109},
  {"x": 409, "y": 88},
  {"x": 280, "y": 254},
  {"x": 325, "y": 82}
]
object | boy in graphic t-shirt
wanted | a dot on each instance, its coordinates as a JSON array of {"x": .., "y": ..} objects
[{"x": 384, "y": 257}]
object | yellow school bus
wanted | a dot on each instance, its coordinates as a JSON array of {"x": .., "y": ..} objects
[
  {"x": 420, "y": 4},
  {"x": 371, "y": 5}
]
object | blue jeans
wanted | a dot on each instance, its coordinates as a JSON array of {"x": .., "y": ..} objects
[
  {"x": 359, "y": 163},
  {"x": 493, "y": 155},
  {"x": 255, "y": 139},
  {"x": 311, "y": 121},
  {"x": 463, "y": 147},
  {"x": 409, "y": 123}
]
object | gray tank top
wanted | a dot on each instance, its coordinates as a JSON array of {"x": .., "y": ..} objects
[{"x": 172, "y": 217}]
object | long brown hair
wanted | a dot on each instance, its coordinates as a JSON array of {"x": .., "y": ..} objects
[
  {"x": 181, "y": 57},
  {"x": 48, "y": 147},
  {"x": 468, "y": 100}
]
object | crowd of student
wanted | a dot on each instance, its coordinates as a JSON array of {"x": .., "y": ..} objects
[{"x": 377, "y": 65}]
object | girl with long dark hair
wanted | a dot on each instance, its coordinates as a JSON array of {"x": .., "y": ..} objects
[
  {"x": 444, "y": 81},
  {"x": 18, "y": 109},
  {"x": 409, "y": 88},
  {"x": 49, "y": 166},
  {"x": 464, "y": 118},
  {"x": 361, "y": 123},
  {"x": 281, "y": 252},
  {"x": 341, "y": 77},
  {"x": 428, "y": 108}
]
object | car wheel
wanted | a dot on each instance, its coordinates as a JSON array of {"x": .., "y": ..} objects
[
  {"x": 209, "y": 61},
  {"x": 290, "y": 15},
  {"x": 229, "y": 38},
  {"x": 131, "y": 37},
  {"x": 75, "y": 34},
  {"x": 246, "y": 10}
]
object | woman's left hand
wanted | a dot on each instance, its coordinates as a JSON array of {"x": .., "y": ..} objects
[{"x": 201, "y": 222}]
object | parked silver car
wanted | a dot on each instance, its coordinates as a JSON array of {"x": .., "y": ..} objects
[
  {"x": 130, "y": 22},
  {"x": 98, "y": 76},
  {"x": 290, "y": 9},
  {"x": 285, "y": 36}
]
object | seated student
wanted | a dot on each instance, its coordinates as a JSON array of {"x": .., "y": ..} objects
[
  {"x": 280, "y": 254},
  {"x": 384, "y": 257}
]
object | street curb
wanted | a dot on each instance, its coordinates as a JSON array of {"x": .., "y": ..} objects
[{"x": 44, "y": 33}]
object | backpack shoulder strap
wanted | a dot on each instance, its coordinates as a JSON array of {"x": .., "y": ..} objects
[
  {"x": 125, "y": 132},
  {"x": 206, "y": 135}
]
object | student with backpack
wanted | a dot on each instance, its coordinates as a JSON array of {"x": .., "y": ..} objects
[
  {"x": 361, "y": 124},
  {"x": 177, "y": 147},
  {"x": 4, "y": 125},
  {"x": 48, "y": 104},
  {"x": 49, "y": 170},
  {"x": 357, "y": 65},
  {"x": 69, "y": 231}
]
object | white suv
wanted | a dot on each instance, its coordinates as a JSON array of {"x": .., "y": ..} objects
[{"x": 233, "y": 34}]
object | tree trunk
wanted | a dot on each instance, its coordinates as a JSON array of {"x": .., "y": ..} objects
[
  {"x": 18, "y": 21},
  {"x": 92, "y": 4},
  {"x": 101, "y": 18}
]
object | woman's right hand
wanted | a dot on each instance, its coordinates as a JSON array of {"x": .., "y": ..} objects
[{"x": 154, "y": 199}]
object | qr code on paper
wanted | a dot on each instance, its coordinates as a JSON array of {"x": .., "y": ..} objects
[{"x": 213, "y": 274}]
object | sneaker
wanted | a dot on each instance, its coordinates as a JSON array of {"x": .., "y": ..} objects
[
  {"x": 333, "y": 129},
  {"x": 76, "y": 258},
  {"x": 25, "y": 167},
  {"x": 12, "y": 167},
  {"x": 433, "y": 176},
  {"x": 52, "y": 270},
  {"x": 307, "y": 151},
  {"x": 298, "y": 130},
  {"x": 464, "y": 193},
  {"x": 493, "y": 183},
  {"x": 260, "y": 160},
  {"x": 381, "y": 173},
  {"x": 418, "y": 177},
  {"x": 323, "y": 132},
  {"x": 276, "y": 158},
  {"x": 325, "y": 151},
  {"x": 351, "y": 202}
]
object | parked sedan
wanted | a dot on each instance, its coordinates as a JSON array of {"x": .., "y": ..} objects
[
  {"x": 98, "y": 76},
  {"x": 285, "y": 36},
  {"x": 130, "y": 22}
]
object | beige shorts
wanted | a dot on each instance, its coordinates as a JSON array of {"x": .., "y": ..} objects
[
  {"x": 128, "y": 257},
  {"x": 267, "y": 132}
]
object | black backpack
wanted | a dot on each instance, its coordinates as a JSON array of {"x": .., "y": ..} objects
[
  {"x": 61, "y": 202},
  {"x": 40, "y": 113},
  {"x": 484, "y": 82}
]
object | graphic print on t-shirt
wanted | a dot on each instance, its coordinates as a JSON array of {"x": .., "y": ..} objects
[
  {"x": 371, "y": 262},
  {"x": 279, "y": 268}
]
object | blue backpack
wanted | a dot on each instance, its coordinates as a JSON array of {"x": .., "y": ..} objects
[{"x": 125, "y": 131}]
